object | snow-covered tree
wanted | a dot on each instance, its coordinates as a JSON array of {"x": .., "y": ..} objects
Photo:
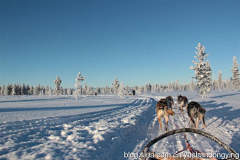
[
  {"x": 78, "y": 85},
  {"x": 220, "y": 80},
  {"x": 2, "y": 90},
  {"x": 215, "y": 85},
  {"x": 31, "y": 90},
  {"x": 147, "y": 88},
  {"x": 47, "y": 90},
  {"x": 203, "y": 72},
  {"x": 98, "y": 91},
  {"x": 176, "y": 85},
  {"x": 6, "y": 90},
  {"x": 37, "y": 90},
  {"x": 192, "y": 86},
  {"x": 169, "y": 87},
  {"x": 140, "y": 90},
  {"x": 28, "y": 89},
  {"x": 115, "y": 85},
  {"x": 24, "y": 89},
  {"x": 121, "y": 90},
  {"x": 127, "y": 90},
  {"x": 70, "y": 91},
  {"x": 235, "y": 74},
  {"x": 57, "y": 82},
  {"x": 50, "y": 92},
  {"x": 14, "y": 89}
]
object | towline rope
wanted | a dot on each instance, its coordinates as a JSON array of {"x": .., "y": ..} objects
[{"x": 188, "y": 146}]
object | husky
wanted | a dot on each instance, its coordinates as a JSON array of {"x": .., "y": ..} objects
[
  {"x": 169, "y": 101},
  {"x": 163, "y": 110},
  {"x": 195, "y": 110},
  {"x": 182, "y": 101}
]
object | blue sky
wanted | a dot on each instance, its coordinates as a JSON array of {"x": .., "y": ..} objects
[{"x": 138, "y": 42}]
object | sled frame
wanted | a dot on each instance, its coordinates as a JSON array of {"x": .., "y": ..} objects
[{"x": 146, "y": 150}]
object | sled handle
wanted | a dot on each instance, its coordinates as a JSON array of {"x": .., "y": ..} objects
[{"x": 182, "y": 130}]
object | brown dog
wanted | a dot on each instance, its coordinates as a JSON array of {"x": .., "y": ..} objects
[
  {"x": 163, "y": 111},
  {"x": 195, "y": 110}
]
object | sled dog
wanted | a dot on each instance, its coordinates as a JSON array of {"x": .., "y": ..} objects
[
  {"x": 169, "y": 101},
  {"x": 163, "y": 110},
  {"x": 195, "y": 110},
  {"x": 182, "y": 101}
]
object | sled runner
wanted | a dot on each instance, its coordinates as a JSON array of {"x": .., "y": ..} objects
[{"x": 147, "y": 154}]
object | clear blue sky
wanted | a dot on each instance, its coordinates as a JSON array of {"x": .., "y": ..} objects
[{"x": 140, "y": 42}]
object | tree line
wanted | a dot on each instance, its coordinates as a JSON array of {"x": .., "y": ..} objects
[{"x": 203, "y": 84}]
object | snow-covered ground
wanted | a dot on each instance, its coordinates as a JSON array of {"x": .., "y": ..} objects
[{"x": 107, "y": 126}]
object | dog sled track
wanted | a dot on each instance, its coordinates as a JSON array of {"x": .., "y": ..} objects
[
  {"x": 175, "y": 143},
  {"x": 80, "y": 136}
]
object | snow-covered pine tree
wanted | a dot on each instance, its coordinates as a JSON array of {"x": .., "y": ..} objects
[
  {"x": 78, "y": 85},
  {"x": 50, "y": 92},
  {"x": 150, "y": 87},
  {"x": 14, "y": 89},
  {"x": 191, "y": 86},
  {"x": 115, "y": 86},
  {"x": 24, "y": 89},
  {"x": 98, "y": 91},
  {"x": 173, "y": 86},
  {"x": 121, "y": 90},
  {"x": 203, "y": 72},
  {"x": 37, "y": 90},
  {"x": 31, "y": 90},
  {"x": 169, "y": 87},
  {"x": 2, "y": 90},
  {"x": 44, "y": 90},
  {"x": 28, "y": 89},
  {"x": 228, "y": 84},
  {"x": 69, "y": 91},
  {"x": 220, "y": 80},
  {"x": 215, "y": 85},
  {"x": 47, "y": 90},
  {"x": 105, "y": 90},
  {"x": 146, "y": 88},
  {"x": 57, "y": 83},
  {"x": 140, "y": 90},
  {"x": 176, "y": 85},
  {"x": 235, "y": 74},
  {"x": 85, "y": 89},
  {"x": 127, "y": 90},
  {"x": 6, "y": 91}
]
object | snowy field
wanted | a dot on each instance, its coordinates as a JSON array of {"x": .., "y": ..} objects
[{"x": 107, "y": 126}]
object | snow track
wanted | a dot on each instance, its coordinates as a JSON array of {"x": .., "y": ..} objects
[
  {"x": 108, "y": 127},
  {"x": 220, "y": 124},
  {"x": 77, "y": 137}
]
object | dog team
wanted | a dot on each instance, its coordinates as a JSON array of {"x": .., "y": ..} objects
[{"x": 193, "y": 109}]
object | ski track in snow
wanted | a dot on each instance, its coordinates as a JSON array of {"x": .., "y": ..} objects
[
  {"x": 119, "y": 131},
  {"x": 75, "y": 137}
]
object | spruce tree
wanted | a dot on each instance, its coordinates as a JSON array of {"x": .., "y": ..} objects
[
  {"x": 220, "y": 80},
  {"x": 115, "y": 85},
  {"x": 78, "y": 85},
  {"x": 203, "y": 72},
  {"x": 57, "y": 82},
  {"x": 235, "y": 74},
  {"x": 121, "y": 90}
]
